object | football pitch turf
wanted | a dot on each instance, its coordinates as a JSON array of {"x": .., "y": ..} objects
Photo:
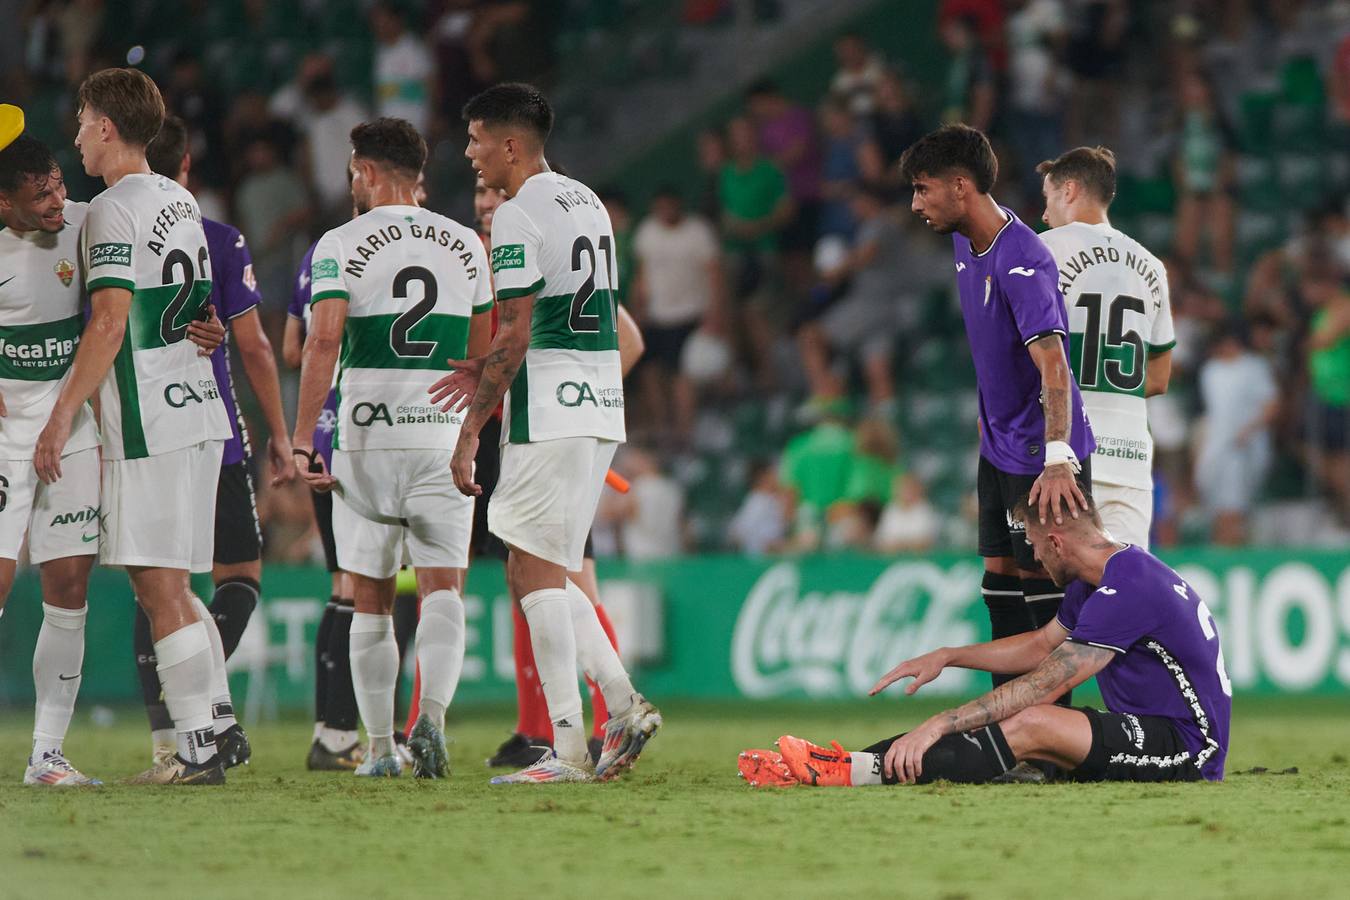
[{"x": 682, "y": 824}]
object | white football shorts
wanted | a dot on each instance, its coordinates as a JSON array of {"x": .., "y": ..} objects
[
  {"x": 59, "y": 519},
  {"x": 387, "y": 497},
  {"x": 547, "y": 494},
  {"x": 1126, "y": 512},
  {"x": 160, "y": 511}
]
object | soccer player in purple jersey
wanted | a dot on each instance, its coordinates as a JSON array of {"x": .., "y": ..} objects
[
  {"x": 1034, "y": 436},
  {"x": 1127, "y": 618},
  {"x": 237, "y": 565}
]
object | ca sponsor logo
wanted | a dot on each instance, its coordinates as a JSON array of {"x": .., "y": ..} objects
[
  {"x": 180, "y": 393},
  {"x": 365, "y": 414},
  {"x": 573, "y": 394},
  {"x": 79, "y": 516},
  {"x": 109, "y": 255}
]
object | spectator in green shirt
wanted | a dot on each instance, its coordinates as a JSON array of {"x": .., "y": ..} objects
[
  {"x": 1329, "y": 375},
  {"x": 815, "y": 468}
]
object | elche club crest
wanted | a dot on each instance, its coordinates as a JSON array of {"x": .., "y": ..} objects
[{"x": 65, "y": 270}]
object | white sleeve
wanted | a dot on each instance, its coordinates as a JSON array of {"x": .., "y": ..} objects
[
  {"x": 109, "y": 241},
  {"x": 482, "y": 279},
  {"x": 1164, "y": 336},
  {"x": 516, "y": 244},
  {"x": 325, "y": 273}
]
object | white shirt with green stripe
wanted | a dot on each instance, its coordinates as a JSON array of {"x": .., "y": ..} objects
[
  {"x": 40, "y": 326},
  {"x": 413, "y": 280},
  {"x": 144, "y": 234},
  {"x": 553, "y": 239},
  {"x": 1120, "y": 313}
]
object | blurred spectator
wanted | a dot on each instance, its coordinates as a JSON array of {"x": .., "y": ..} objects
[
  {"x": 987, "y": 20},
  {"x": 1274, "y": 278},
  {"x": 1096, "y": 57},
  {"x": 852, "y": 519},
  {"x": 860, "y": 71},
  {"x": 1040, "y": 84},
  {"x": 272, "y": 210},
  {"x": 1203, "y": 172},
  {"x": 787, "y": 135},
  {"x": 650, "y": 517},
  {"x": 1241, "y": 402},
  {"x": 895, "y": 125},
  {"x": 287, "y": 519},
  {"x": 1329, "y": 375},
  {"x": 815, "y": 469},
  {"x": 194, "y": 99},
  {"x": 711, "y": 151},
  {"x": 621, "y": 222},
  {"x": 970, "y": 92},
  {"x": 909, "y": 523},
  {"x": 679, "y": 281},
  {"x": 403, "y": 68},
  {"x": 756, "y": 206},
  {"x": 862, "y": 325},
  {"x": 849, "y": 152},
  {"x": 249, "y": 121},
  {"x": 760, "y": 525},
  {"x": 79, "y": 23},
  {"x": 1338, "y": 75}
]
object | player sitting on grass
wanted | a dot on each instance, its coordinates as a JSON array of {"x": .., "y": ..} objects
[{"x": 1126, "y": 618}]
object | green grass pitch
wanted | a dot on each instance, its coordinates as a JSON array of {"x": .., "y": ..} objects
[{"x": 682, "y": 824}]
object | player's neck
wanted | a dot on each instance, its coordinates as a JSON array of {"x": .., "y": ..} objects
[
  {"x": 523, "y": 173},
  {"x": 394, "y": 194},
  {"x": 1094, "y": 556},
  {"x": 123, "y": 161},
  {"x": 12, "y": 224},
  {"x": 1090, "y": 216},
  {"x": 986, "y": 220}
]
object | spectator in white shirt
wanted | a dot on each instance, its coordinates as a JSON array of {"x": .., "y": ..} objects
[
  {"x": 403, "y": 68},
  {"x": 650, "y": 517},
  {"x": 760, "y": 525},
  {"x": 909, "y": 524}
]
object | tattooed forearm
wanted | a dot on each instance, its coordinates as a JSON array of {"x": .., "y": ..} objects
[
  {"x": 1068, "y": 666},
  {"x": 1056, "y": 401},
  {"x": 503, "y": 361}
]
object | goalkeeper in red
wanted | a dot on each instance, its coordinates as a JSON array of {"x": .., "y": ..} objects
[{"x": 557, "y": 351}]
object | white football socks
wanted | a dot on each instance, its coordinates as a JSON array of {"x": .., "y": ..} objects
[
  {"x": 440, "y": 652},
  {"x": 374, "y": 657},
  {"x": 555, "y": 659},
  {"x": 222, "y": 707},
  {"x": 597, "y": 655},
  {"x": 865, "y": 769},
  {"x": 185, "y": 672},
  {"x": 57, "y": 660}
]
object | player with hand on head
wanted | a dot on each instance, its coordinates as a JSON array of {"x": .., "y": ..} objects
[
  {"x": 1034, "y": 435},
  {"x": 397, "y": 292},
  {"x": 1120, "y": 331},
  {"x": 555, "y": 359},
  {"x": 237, "y": 567},
  {"x": 148, "y": 273},
  {"x": 1127, "y": 618}
]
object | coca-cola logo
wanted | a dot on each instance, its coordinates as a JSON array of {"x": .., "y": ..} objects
[{"x": 838, "y": 643}]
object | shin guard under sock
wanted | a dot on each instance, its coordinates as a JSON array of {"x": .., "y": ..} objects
[{"x": 231, "y": 606}]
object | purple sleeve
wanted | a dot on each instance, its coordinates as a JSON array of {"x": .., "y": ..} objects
[
  {"x": 238, "y": 287},
  {"x": 1112, "y": 617},
  {"x": 1030, "y": 282},
  {"x": 300, "y": 292},
  {"x": 1072, "y": 605}
]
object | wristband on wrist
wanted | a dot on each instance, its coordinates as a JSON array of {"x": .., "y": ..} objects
[{"x": 1057, "y": 452}]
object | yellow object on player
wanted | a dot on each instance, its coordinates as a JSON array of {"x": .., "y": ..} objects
[
  {"x": 405, "y": 582},
  {"x": 11, "y": 124}
]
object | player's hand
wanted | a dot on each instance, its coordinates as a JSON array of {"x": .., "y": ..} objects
[
  {"x": 922, "y": 669},
  {"x": 50, "y": 443},
  {"x": 904, "y": 759},
  {"x": 456, "y": 390},
  {"x": 461, "y": 464},
  {"x": 207, "y": 335},
  {"x": 1055, "y": 490},
  {"x": 310, "y": 465},
  {"x": 282, "y": 460}
]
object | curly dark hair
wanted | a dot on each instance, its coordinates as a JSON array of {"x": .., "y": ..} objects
[
  {"x": 393, "y": 142},
  {"x": 952, "y": 148},
  {"x": 25, "y": 159},
  {"x": 512, "y": 103}
]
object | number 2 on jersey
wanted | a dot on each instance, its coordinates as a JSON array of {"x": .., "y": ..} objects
[
  {"x": 169, "y": 331},
  {"x": 399, "y": 341},
  {"x": 578, "y": 319}
]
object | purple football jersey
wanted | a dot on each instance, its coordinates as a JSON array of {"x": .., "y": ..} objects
[
  {"x": 233, "y": 292},
  {"x": 1169, "y": 662},
  {"x": 298, "y": 309},
  {"x": 1010, "y": 298}
]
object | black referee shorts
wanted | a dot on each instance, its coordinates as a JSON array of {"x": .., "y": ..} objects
[
  {"x": 323, "y": 516},
  {"x": 1127, "y": 747},
  {"x": 238, "y": 532},
  {"x": 998, "y": 492}
]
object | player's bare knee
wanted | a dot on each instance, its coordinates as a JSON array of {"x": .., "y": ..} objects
[
  {"x": 65, "y": 587},
  {"x": 1001, "y": 565}
]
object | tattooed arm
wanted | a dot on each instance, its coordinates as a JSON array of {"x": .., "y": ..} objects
[{"x": 1057, "y": 483}]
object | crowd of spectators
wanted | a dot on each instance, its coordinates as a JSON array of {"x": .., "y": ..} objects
[{"x": 794, "y": 276}]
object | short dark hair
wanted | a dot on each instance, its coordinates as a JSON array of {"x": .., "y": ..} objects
[
  {"x": 764, "y": 87},
  {"x": 1092, "y": 167},
  {"x": 166, "y": 152},
  {"x": 1021, "y": 511},
  {"x": 130, "y": 98},
  {"x": 952, "y": 148},
  {"x": 392, "y": 142},
  {"x": 25, "y": 159},
  {"x": 512, "y": 103}
]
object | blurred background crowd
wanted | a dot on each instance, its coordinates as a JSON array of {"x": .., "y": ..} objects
[{"x": 807, "y": 384}]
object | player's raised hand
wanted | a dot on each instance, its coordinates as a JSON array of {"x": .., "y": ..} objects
[
  {"x": 282, "y": 460},
  {"x": 208, "y": 333},
  {"x": 309, "y": 463},
  {"x": 50, "y": 443},
  {"x": 904, "y": 759},
  {"x": 1055, "y": 490},
  {"x": 922, "y": 669},
  {"x": 455, "y": 391},
  {"x": 461, "y": 463}
]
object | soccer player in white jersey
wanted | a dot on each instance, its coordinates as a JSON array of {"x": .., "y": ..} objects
[
  {"x": 556, "y": 349},
  {"x": 148, "y": 276},
  {"x": 398, "y": 292},
  {"x": 1120, "y": 319}
]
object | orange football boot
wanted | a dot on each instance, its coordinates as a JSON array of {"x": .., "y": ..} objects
[
  {"x": 814, "y": 765},
  {"x": 764, "y": 768}
]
